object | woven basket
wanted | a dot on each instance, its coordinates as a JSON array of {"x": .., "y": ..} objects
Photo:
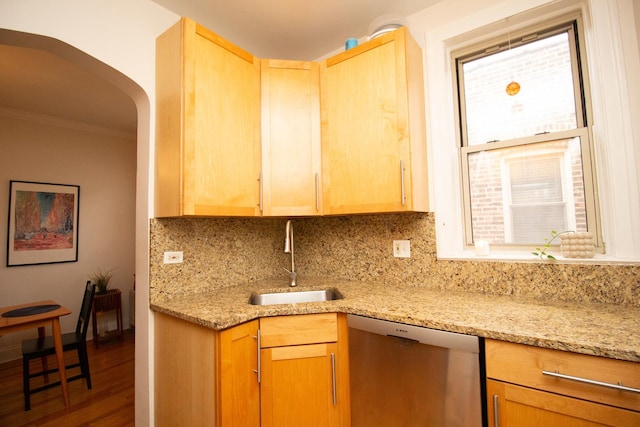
[{"x": 577, "y": 245}]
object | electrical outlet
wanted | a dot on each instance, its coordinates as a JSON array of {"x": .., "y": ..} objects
[
  {"x": 173, "y": 257},
  {"x": 402, "y": 248}
]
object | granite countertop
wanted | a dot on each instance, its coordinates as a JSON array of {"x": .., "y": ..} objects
[{"x": 596, "y": 329}]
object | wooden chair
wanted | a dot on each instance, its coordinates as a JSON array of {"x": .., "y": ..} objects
[{"x": 40, "y": 348}]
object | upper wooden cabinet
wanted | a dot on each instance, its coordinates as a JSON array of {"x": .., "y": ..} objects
[
  {"x": 208, "y": 125},
  {"x": 240, "y": 136},
  {"x": 373, "y": 135},
  {"x": 291, "y": 160}
]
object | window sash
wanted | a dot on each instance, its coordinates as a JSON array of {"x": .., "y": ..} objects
[
  {"x": 583, "y": 137},
  {"x": 518, "y": 40}
]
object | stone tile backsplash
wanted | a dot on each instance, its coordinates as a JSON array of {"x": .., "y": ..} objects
[{"x": 222, "y": 252}]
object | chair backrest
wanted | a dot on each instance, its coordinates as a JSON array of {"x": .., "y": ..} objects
[{"x": 85, "y": 309}]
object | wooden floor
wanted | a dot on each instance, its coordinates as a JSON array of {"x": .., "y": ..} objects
[{"x": 110, "y": 402}]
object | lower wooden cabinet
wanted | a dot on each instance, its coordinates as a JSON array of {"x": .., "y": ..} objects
[
  {"x": 184, "y": 373},
  {"x": 305, "y": 371},
  {"x": 238, "y": 397},
  {"x": 527, "y": 407},
  {"x": 277, "y": 371},
  {"x": 297, "y": 387},
  {"x": 524, "y": 389}
]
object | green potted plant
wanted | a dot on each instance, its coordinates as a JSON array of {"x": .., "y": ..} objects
[
  {"x": 542, "y": 252},
  {"x": 101, "y": 279}
]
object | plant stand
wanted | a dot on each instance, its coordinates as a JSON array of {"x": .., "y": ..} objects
[{"x": 110, "y": 301}]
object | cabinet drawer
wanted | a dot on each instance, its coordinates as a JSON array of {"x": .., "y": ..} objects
[
  {"x": 299, "y": 329},
  {"x": 524, "y": 365}
]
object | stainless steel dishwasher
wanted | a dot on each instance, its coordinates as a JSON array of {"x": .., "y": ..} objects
[{"x": 404, "y": 375}]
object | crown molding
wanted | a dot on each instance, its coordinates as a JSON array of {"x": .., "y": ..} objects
[{"x": 46, "y": 119}]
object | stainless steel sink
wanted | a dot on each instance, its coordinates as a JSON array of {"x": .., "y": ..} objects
[{"x": 294, "y": 297}]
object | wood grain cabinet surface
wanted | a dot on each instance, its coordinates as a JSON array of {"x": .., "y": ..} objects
[
  {"x": 373, "y": 136},
  {"x": 241, "y": 136},
  {"x": 305, "y": 371},
  {"x": 238, "y": 397},
  {"x": 207, "y": 125},
  {"x": 531, "y": 386},
  {"x": 185, "y": 389},
  {"x": 291, "y": 175},
  {"x": 297, "y": 375}
]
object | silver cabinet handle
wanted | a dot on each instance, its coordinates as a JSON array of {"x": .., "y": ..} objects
[
  {"x": 333, "y": 375},
  {"x": 261, "y": 191},
  {"x": 257, "y": 371},
  {"x": 403, "y": 195},
  {"x": 496, "y": 420},
  {"x": 317, "y": 191},
  {"x": 618, "y": 386}
]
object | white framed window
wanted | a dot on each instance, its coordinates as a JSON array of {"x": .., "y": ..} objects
[
  {"x": 612, "y": 40},
  {"x": 525, "y": 145}
]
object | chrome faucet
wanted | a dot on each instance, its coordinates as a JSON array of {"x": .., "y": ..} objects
[{"x": 288, "y": 249}]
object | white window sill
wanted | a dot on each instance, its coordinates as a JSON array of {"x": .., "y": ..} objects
[{"x": 528, "y": 257}]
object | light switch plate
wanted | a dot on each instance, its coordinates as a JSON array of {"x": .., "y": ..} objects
[
  {"x": 402, "y": 248},
  {"x": 173, "y": 257}
]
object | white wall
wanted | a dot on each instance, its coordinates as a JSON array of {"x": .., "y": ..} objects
[
  {"x": 120, "y": 34},
  {"x": 636, "y": 16},
  {"x": 104, "y": 166}
]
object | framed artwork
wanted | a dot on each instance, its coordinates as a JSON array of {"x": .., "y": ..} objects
[{"x": 43, "y": 223}]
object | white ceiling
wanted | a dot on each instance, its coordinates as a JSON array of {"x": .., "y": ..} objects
[
  {"x": 35, "y": 81},
  {"x": 40, "y": 82},
  {"x": 291, "y": 29}
]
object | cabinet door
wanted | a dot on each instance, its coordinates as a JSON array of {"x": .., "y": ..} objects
[
  {"x": 513, "y": 405},
  {"x": 373, "y": 138},
  {"x": 238, "y": 389},
  {"x": 298, "y": 386},
  {"x": 291, "y": 161},
  {"x": 208, "y": 125}
]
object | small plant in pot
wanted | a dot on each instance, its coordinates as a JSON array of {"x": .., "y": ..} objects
[
  {"x": 101, "y": 279},
  {"x": 542, "y": 252}
]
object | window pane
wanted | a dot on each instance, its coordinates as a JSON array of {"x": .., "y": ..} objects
[
  {"x": 545, "y": 103},
  {"x": 519, "y": 194},
  {"x": 535, "y": 181},
  {"x": 532, "y": 223}
]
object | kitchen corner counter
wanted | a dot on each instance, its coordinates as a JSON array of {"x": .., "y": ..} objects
[{"x": 596, "y": 329}]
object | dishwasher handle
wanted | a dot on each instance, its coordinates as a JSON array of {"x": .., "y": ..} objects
[
  {"x": 404, "y": 339},
  {"x": 450, "y": 340}
]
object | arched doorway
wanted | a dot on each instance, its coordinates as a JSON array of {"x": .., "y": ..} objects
[{"x": 102, "y": 90}]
